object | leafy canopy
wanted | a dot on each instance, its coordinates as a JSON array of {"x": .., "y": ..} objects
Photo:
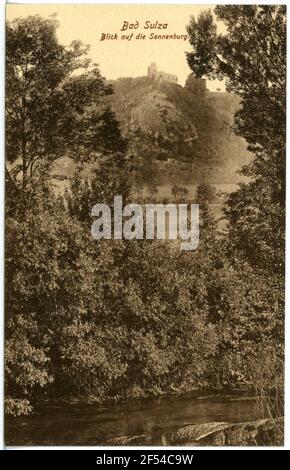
[{"x": 54, "y": 101}]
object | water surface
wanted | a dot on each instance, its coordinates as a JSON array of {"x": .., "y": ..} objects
[{"x": 151, "y": 421}]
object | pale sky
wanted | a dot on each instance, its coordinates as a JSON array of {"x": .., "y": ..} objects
[{"x": 122, "y": 58}]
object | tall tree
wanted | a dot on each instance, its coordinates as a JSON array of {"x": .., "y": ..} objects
[
  {"x": 251, "y": 56},
  {"x": 54, "y": 101}
]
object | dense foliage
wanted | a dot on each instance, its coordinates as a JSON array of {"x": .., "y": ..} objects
[
  {"x": 251, "y": 57},
  {"x": 127, "y": 318},
  {"x": 54, "y": 101}
]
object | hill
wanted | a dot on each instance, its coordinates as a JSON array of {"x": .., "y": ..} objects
[{"x": 179, "y": 134}]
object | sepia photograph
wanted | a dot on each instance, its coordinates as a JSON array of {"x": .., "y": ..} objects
[{"x": 145, "y": 185}]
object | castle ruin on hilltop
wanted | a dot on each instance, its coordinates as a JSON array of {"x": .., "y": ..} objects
[
  {"x": 196, "y": 85},
  {"x": 154, "y": 74}
]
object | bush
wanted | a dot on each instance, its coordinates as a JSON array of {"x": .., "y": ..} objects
[{"x": 17, "y": 407}]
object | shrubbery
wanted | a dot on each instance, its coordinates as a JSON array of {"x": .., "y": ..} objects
[{"x": 118, "y": 318}]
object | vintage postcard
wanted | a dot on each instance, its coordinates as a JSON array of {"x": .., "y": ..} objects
[{"x": 145, "y": 225}]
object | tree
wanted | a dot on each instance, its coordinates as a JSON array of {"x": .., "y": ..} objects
[
  {"x": 251, "y": 57},
  {"x": 207, "y": 223},
  {"x": 179, "y": 192},
  {"x": 52, "y": 108},
  {"x": 111, "y": 178},
  {"x": 205, "y": 194}
]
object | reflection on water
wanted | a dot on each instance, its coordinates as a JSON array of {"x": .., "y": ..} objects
[{"x": 90, "y": 424}]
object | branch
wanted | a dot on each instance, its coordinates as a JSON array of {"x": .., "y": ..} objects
[{"x": 7, "y": 174}]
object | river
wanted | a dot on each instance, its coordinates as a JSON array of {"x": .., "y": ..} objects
[{"x": 151, "y": 421}]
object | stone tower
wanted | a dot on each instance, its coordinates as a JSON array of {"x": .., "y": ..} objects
[
  {"x": 152, "y": 70},
  {"x": 196, "y": 85},
  {"x": 154, "y": 74}
]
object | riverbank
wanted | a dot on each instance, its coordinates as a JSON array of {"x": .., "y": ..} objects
[
  {"x": 261, "y": 432},
  {"x": 151, "y": 421},
  {"x": 230, "y": 393}
]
